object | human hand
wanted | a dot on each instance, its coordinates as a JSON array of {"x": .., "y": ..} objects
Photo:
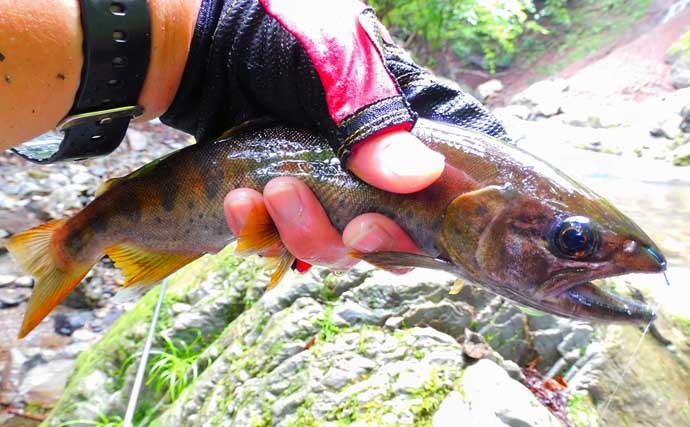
[{"x": 395, "y": 161}]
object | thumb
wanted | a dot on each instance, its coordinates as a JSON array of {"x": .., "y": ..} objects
[{"x": 396, "y": 161}]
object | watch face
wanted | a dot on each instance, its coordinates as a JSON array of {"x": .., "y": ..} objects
[{"x": 42, "y": 147}]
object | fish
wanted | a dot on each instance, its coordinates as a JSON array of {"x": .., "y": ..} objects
[{"x": 498, "y": 217}]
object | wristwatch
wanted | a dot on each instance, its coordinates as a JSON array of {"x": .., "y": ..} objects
[{"x": 117, "y": 47}]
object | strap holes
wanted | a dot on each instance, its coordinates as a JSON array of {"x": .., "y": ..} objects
[
  {"x": 105, "y": 121},
  {"x": 119, "y": 36},
  {"x": 118, "y": 9},
  {"x": 116, "y": 83},
  {"x": 96, "y": 137},
  {"x": 120, "y": 61}
]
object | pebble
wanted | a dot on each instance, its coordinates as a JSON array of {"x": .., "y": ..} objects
[
  {"x": 24, "y": 282},
  {"x": 66, "y": 324},
  {"x": 12, "y": 297},
  {"x": 6, "y": 279}
]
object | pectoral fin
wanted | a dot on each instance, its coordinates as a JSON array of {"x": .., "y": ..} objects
[
  {"x": 393, "y": 260},
  {"x": 260, "y": 234}
]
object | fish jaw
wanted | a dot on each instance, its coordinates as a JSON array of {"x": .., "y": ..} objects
[{"x": 586, "y": 301}]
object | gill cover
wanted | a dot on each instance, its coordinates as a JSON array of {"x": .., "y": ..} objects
[{"x": 465, "y": 220}]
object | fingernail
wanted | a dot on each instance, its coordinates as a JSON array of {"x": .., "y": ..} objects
[
  {"x": 411, "y": 159},
  {"x": 285, "y": 200},
  {"x": 370, "y": 238}
]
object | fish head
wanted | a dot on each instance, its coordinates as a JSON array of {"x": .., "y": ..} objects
[{"x": 541, "y": 245}]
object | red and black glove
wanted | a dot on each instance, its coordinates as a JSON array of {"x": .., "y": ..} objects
[{"x": 311, "y": 63}]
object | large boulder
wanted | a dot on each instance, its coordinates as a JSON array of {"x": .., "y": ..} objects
[{"x": 366, "y": 348}]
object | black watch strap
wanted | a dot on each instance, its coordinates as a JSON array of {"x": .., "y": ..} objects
[{"x": 117, "y": 47}]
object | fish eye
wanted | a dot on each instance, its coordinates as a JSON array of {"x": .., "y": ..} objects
[{"x": 575, "y": 238}]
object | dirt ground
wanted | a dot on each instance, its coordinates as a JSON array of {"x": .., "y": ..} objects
[{"x": 633, "y": 67}]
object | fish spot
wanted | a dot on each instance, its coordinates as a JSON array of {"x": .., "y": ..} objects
[
  {"x": 158, "y": 220},
  {"x": 190, "y": 205},
  {"x": 201, "y": 215},
  {"x": 8, "y": 79},
  {"x": 99, "y": 224},
  {"x": 480, "y": 211},
  {"x": 168, "y": 197},
  {"x": 212, "y": 183},
  {"x": 409, "y": 214},
  {"x": 61, "y": 76},
  {"x": 191, "y": 220},
  {"x": 74, "y": 243},
  {"x": 2, "y": 57},
  {"x": 341, "y": 204}
]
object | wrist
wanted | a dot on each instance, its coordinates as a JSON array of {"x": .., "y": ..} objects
[
  {"x": 40, "y": 74},
  {"x": 172, "y": 29}
]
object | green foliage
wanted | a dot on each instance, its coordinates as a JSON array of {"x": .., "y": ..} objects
[
  {"x": 681, "y": 46},
  {"x": 431, "y": 394},
  {"x": 494, "y": 33},
  {"x": 581, "y": 410},
  {"x": 328, "y": 329},
  {"x": 467, "y": 27},
  {"x": 103, "y": 421},
  {"x": 175, "y": 366}
]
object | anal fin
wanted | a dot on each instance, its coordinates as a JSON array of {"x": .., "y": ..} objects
[{"x": 144, "y": 267}]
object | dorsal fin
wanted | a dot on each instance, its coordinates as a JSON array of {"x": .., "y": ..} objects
[{"x": 106, "y": 185}]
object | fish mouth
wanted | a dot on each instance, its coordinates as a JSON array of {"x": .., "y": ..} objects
[{"x": 586, "y": 301}]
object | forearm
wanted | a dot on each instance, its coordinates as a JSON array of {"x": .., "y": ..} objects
[{"x": 40, "y": 70}]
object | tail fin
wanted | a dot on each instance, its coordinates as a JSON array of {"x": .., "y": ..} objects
[{"x": 33, "y": 251}]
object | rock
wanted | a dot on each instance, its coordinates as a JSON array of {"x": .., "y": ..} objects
[
  {"x": 489, "y": 89},
  {"x": 43, "y": 384},
  {"x": 24, "y": 282},
  {"x": 91, "y": 292},
  {"x": 66, "y": 324},
  {"x": 352, "y": 313},
  {"x": 485, "y": 384},
  {"x": 680, "y": 72},
  {"x": 681, "y": 155},
  {"x": 137, "y": 140},
  {"x": 445, "y": 316},
  {"x": 544, "y": 98},
  {"x": 7, "y": 279},
  {"x": 667, "y": 128},
  {"x": 12, "y": 297},
  {"x": 4, "y": 233},
  {"x": 452, "y": 409},
  {"x": 545, "y": 343},
  {"x": 576, "y": 340}
]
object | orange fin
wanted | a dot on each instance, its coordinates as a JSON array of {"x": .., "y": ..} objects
[
  {"x": 285, "y": 261},
  {"x": 145, "y": 267},
  {"x": 258, "y": 232},
  {"x": 33, "y": 251}
]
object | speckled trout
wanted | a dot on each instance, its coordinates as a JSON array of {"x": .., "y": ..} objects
[{"x": 498, "y": 217}]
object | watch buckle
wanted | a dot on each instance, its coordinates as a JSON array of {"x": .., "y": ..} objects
[{"x": 103, "y": 117}]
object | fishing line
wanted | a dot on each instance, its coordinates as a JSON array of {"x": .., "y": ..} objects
[
  {"x": 625, "y": 371},
  {"x": 141, "y": 371}
]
